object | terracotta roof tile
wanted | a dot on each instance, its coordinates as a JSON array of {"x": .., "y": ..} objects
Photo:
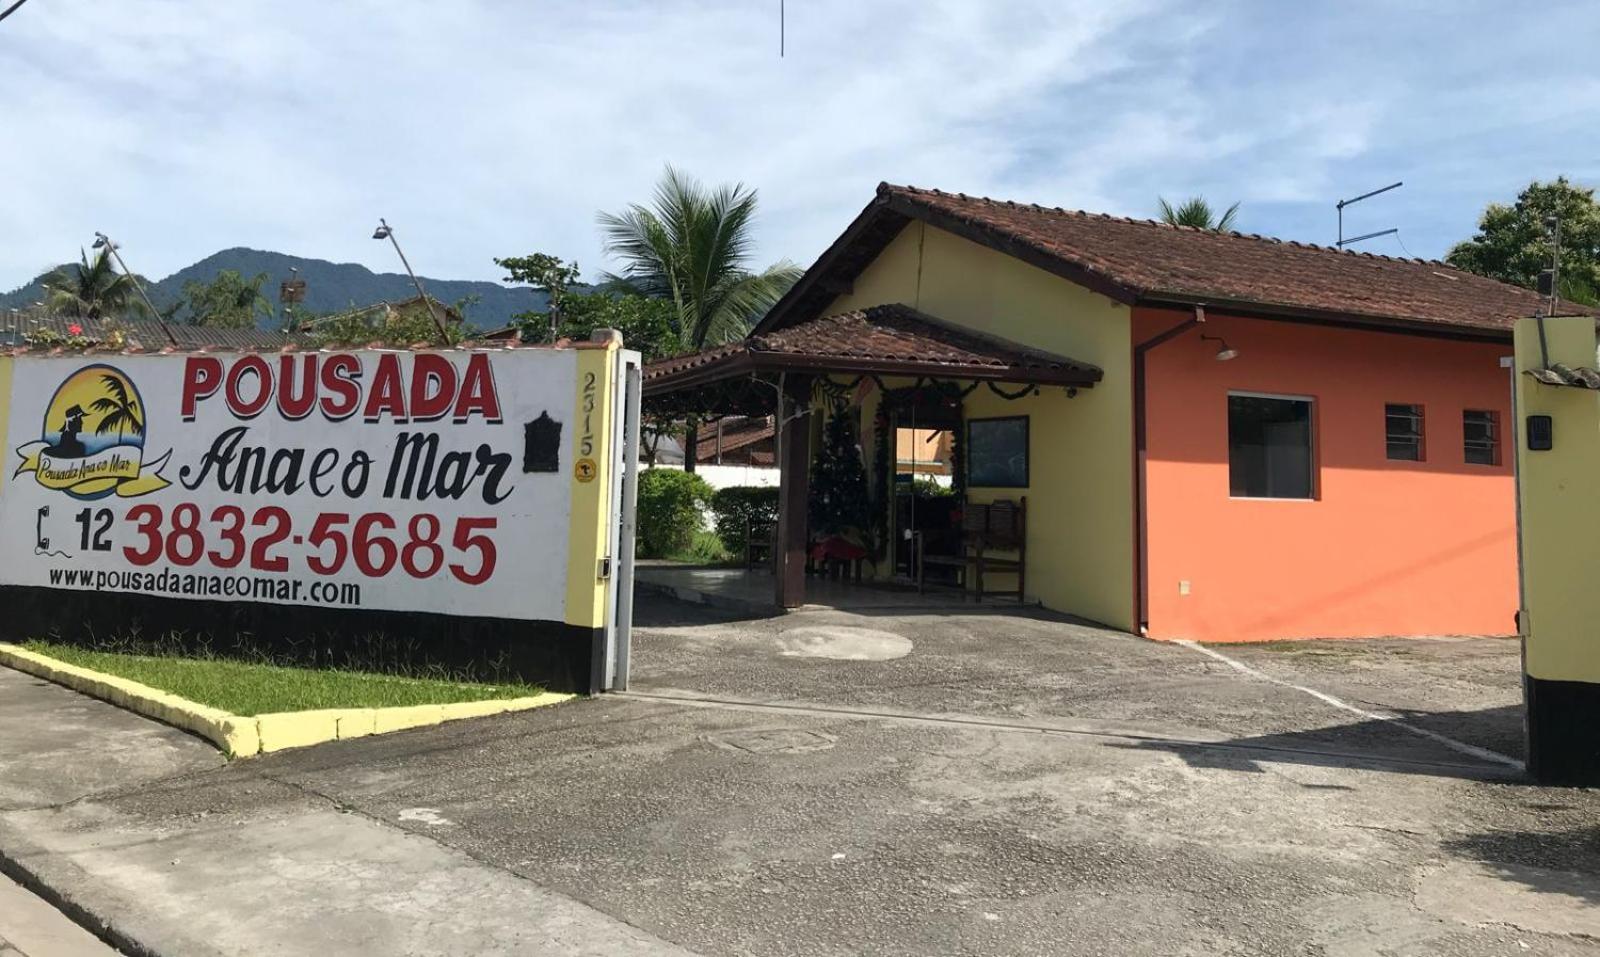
[
  {"x": 693, "y": 360},
  {"x": 1151, "y": 260},
  {"x": 737, "y": 432},
  {"x": 886, "y": 336},
  {"x": 144, "y": 334}
]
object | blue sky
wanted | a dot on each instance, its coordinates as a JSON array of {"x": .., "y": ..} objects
[{"x": 488, "y": 128}]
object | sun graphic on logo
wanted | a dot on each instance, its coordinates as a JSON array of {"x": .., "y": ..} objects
[{"x": 92, "y": 438}]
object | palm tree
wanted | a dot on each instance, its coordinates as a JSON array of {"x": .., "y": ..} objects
[
  {"x": 90, "y": 290},
  {"x": 229, "y": 301},
  {"x": 119, "y": 410},
  {"x": 1198, "y": 213},
  {"x": 693, "y": 246}
]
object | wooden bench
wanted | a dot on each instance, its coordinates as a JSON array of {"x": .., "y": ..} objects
[
  {"x": 986, "y": 528},
  {"x": 760, "y": 544}
]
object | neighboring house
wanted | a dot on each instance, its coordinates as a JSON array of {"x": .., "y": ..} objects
[
  {"x": 416, "y": 308},
  {"x": 922, "y": 451},
  {"x": 16, "y": 328},
  {"x": 746, "y": 452},
  {"x": 1219, "y": 436},
  {"x": 737, "y": 440}
]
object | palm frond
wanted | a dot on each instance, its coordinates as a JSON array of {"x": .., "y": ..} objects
[
  {"x": 109, "y": 421},
  {"x": 693, "y": 246},
  {"x": 115, "y": 386},
  {"x": 1197, "y": 213},
  {"x": 1227, "y": 222}
]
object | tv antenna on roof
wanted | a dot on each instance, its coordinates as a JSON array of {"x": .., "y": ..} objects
[{"x": 1341, "y": 204}]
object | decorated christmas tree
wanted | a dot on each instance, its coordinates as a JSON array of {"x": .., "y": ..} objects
[{"x": 839, "y": 504}]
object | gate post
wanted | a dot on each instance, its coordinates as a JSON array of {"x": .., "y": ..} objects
[
  {"x": 794, "y": 482},
  {"x": 1557, "y": 436}
]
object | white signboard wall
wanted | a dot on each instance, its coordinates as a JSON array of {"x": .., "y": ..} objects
[{"x": 379, "y": 480}]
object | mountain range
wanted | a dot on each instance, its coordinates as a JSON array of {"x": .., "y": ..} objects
[{"x": 330, "y": 287}]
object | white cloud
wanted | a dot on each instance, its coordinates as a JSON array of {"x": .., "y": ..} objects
[{"x": 490, "y": 127}]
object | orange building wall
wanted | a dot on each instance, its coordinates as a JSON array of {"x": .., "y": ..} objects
[
  {"x": 928, "y": 448},
  {"x": 1385, "y": 548}
]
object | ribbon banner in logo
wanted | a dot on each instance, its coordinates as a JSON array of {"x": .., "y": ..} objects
[{"x": 121, "y": 467}]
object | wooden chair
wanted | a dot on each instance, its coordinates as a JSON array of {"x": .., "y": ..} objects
[
  {"x": 986, "y": 528},
  {"x": 760, "y": 544}
]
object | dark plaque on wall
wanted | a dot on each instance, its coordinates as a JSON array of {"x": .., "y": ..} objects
[
  {"x": 1541, "y": 433},
  {"x": 997, "y": 452},
  {"x": 541, "y": 449}
]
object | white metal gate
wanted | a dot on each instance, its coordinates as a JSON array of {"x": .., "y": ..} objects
[{"x": 624, "y": 496}]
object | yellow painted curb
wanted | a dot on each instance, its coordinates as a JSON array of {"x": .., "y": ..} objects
[{"x": 241, "y": 736}]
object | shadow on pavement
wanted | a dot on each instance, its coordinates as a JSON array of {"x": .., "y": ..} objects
[
  {"x": 1542, "y": 861},
  {"x": 1375, "y": 745}
]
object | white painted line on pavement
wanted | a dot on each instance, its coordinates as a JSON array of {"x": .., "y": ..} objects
[
  {"x": 1482, "y": 754},
  {"x": 692, "y": 700}
]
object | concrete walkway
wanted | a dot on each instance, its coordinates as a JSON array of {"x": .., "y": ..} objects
[
  {"x": 241, "y": 864},
  {"x": 29, "y": 927}
]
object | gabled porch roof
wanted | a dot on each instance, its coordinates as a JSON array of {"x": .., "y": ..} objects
[{"x": 881, "y": 340}]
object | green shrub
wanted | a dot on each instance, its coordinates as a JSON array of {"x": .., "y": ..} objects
[
  {"x": 669, "y": 515},
  {"x": 705, "y": 549},
  {"x": 732, "y": 506}
]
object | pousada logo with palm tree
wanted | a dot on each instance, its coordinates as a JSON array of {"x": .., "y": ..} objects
[{"x": 92, "y": 441}]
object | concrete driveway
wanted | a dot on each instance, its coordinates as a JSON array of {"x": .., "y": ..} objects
[
  {"x": 1036, "y": 668},
  {"x": 987, "y": 784}
]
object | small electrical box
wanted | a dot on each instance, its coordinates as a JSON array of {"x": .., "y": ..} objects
[{"x": 1541, "y": 432}]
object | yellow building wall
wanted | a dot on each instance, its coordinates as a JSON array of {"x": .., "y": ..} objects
[
  {"x": 1080, "y": 496},
  {"x": 1559, "y": 494}
]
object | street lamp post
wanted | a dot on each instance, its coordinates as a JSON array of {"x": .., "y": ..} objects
[
  {"x": 385, "y": 231},
  {"x": 101, "y": 240}
]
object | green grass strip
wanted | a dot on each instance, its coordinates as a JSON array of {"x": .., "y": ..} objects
[{"x": 245, "y": 688}]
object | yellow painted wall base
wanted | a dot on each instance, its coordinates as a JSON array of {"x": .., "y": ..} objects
[{"x": 241, "y": 736}]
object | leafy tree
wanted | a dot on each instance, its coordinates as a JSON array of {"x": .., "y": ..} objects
[
  {"x": 545, "y": 272},
  {"x": 692, "y": 247},
  {"x": 92, "y": 289},
  {"x": 1198, "y": 213},
  {"x": 410, "y": 324},
  {"x": 646, "y": 324},
  {"x": 1513, "y": 242},
  {"x": 229, "y": 301},
  {"x": 464, "y": 304}
]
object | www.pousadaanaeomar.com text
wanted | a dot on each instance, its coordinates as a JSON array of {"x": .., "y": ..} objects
[{"x": 191, "y": 585}]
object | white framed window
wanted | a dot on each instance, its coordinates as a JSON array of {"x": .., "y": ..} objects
[{"x": 1270, "y": 452}]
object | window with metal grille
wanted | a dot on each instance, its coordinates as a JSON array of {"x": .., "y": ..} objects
[
  {"x": 1403, "y": 432},
  {"x": 1481, "y": 436}
]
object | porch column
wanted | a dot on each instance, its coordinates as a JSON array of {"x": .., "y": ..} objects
[{"x": 794, "y": 484}]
